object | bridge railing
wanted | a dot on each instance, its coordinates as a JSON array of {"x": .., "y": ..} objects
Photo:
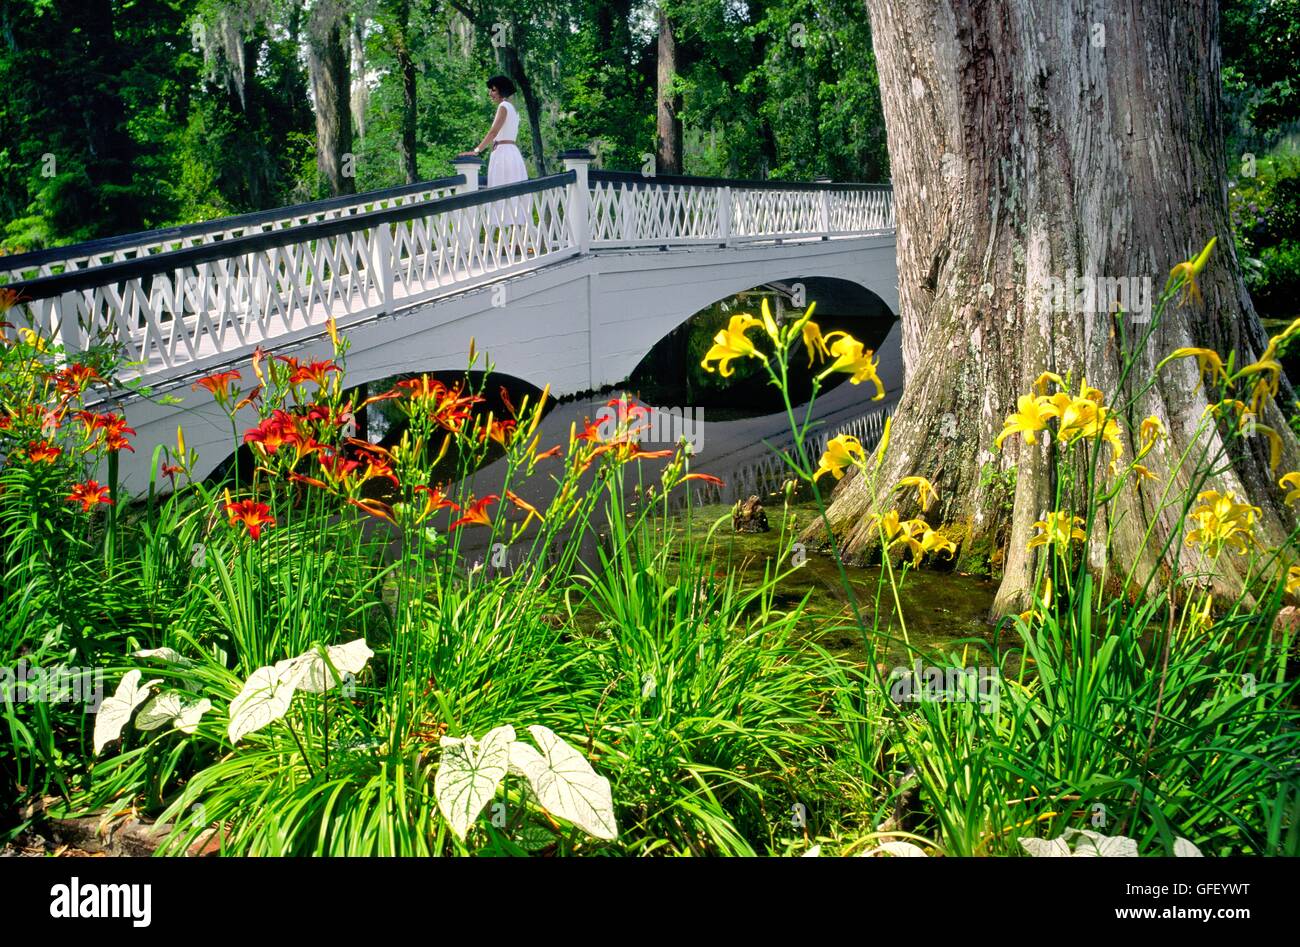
[
  {"x": 26, "y": 266},
  {"x": 184, "y": 310},
  {"x": 631, "y": 209},
  {"x": 181, "y": 312}
]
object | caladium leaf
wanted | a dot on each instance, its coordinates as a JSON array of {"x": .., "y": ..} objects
[
  {"x": 469, "y": 774},
  {"x": 1185, "y": 849},
  {"x": 115, "y": 711},
  {"x": 264, "y": 699},
  {"x": 166, "y": 655},
  {"x": 309, "y": 672},
  {"x": 172, "y": 708},
  {"x": 898, "y": 849},
  {"x": 1046, "y": 847},
  {"x": 565, "y": 784},
  {"x": 1090, "y": 844}
]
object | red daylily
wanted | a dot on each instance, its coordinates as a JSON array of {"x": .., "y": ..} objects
[
  {"x": 273, "y": 433},
  {"x": 434, "y": 500},
  {"x": 74, "y": 379},
  {"x": 476, "y": 513},
  {"x": 252, "y": 514},
  {"x": 218, "y": 385},
  {"x": 43, "y": 452},
  {"x": 88, "y": 494},
  {"x": 310, "y": 371},
  {"x": 338, "y": 469},
  {"x": 500, "y": 431},
  {"x": 524, "y": 505},
  {"x": 114, "y": 426}
]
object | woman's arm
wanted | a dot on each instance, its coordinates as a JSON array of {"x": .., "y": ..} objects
[{"x": 494, "y": 130}]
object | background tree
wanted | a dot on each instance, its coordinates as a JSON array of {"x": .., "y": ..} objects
[
  {"x": 329, "y": 61},
  {"x": 1031, "y": 141}
]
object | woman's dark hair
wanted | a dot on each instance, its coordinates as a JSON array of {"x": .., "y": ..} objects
[{"x": 502, "y": 84}]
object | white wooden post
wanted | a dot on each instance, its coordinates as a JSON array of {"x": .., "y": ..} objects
[
  {"x": 724, "y": 215},
  {"x": 823, "y": 208},
  {"x": 69, "y": 324},
  {"x": 579, "y": 210},
  {"x": 381, "y": 259},
  {"x": 468, "y": 166}
]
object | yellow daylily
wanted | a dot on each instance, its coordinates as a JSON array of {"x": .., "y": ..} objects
[
  {"x": 1152, "y": 430},
  {"x": 1291, "y": 480},
  {"x": 814, "y": 342},
  {"x": 769, "y": 323},
  {"x": 925, "y": 491},
  {"x": 730, "y": 343},
  {"x": 1058, "y": 529},
  {"x": 850, "y": 356},
  {"x": 1222, "y": 521},
  {"x": 1207, "y": 359},
  {"x": 1046, "y": 598},
  {"x": 1031, "y": 415},
  {"x": 1293, "y": 581},
  {"x": 1040, "y": 384},
  {"x": 843, "y": 451},
  {"x": 1143, "y": 473},
  {"x": 1274, "y": 443},
  {"x": 1270, "y": 370},
  {"x": 1191, "y": 269},
  {"x": 929, "y": 541}
]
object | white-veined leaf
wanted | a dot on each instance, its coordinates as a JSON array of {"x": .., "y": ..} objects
[
  {"x": 115, "y": 711},
  {"x": 814, "y": 852},
  {"x": 565, "y": 784},
  {"x": 897, "y": 849},
  {"x": 1046, "y": 847},
  {"x": 1089, "y": 844},
  {"x": 309, "y": 672},
  {"x": 167, "y": 655},
  {"x": 1185, "y": 849},
  {"x": 264, "y": 698},
  {"x": 469, "y": 774},
  {"x": 172, "y": 708}
]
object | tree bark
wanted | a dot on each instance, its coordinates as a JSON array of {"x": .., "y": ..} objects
[
  {"x": 668, "y": 159},
  {"x": 1031, "y": 141},
  {"x": 406, "y": 65},
  {"x": 331, "y": 86}
]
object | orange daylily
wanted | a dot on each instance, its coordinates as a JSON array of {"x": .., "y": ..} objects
[
  {"x": 217, "y": 385},
  {"x": 43, "y": 452},
  {"x": 476, "y": 513},
  {"x": 252, "y": 514},
  {"x": 88, "y": 494}
]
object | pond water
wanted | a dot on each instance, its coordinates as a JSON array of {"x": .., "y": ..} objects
[{"x": 942, "y": 611}]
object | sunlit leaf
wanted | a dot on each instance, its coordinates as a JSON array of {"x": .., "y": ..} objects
[
  {"x": 309, "y": 672},
  {"x": 469, "y": 774},
  {"x": 115, "y": 711},
  {"x": 897, "y": 849},
  {"x": 264, "y": 699},
  {"x": 565, "y": 784},
  {"x": 172, "y": 708}
]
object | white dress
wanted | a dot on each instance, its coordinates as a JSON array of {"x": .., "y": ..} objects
[{"x": 506, "y": 166}]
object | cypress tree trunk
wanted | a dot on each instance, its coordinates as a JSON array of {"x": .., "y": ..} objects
[
  {"x": 668, "y": 121},
  {"x": 406, "y": 65},
  {"x": 1031, "y": 141},
  {"x": 331, "y": 86}
]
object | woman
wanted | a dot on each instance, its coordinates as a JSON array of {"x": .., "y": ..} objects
[{"x": 506, "y": 166}]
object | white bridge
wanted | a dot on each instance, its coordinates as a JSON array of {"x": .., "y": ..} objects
[{"x": 569, "y": 280}]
